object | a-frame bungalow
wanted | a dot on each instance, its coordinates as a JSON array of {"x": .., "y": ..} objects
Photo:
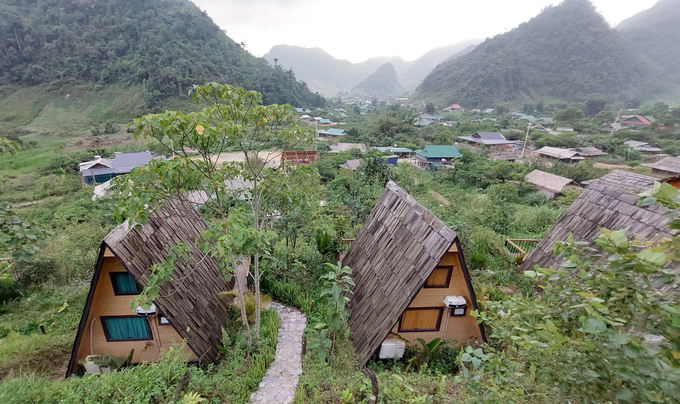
[
  {"x": 410, "y": 279},
  {"x": 187, "y": 308}
]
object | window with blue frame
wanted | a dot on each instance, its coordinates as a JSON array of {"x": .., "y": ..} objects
[
  {"x": 126, "y": 328},
  {"x": 124, "y": 284}
]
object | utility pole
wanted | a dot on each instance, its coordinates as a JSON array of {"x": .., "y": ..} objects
[{"x": 525, "y": 140}]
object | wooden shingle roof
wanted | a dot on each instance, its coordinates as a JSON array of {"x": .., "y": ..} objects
[
  {"x": 395, "y": 252},
  {"x": 609, "y": 202},
  {"x": 191, "y": 301}
]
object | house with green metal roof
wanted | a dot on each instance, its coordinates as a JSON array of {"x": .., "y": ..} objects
[
  {"x": 436, "y": 154},
  {"x": 331, "y": 132}
]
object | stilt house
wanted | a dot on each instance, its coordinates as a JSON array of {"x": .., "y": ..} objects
[
  {"x": 410, "y": 278},
  {"x": 188, "y": 307}
]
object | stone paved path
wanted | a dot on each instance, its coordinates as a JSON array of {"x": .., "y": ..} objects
[{"x": 279, "y": 383}]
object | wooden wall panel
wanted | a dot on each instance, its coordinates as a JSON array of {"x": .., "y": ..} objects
[
  {"x": 461, "y": 329},
  {"x": 106, "y": 303}
]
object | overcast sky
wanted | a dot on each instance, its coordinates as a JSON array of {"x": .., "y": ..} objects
[{"x": 359, "y": 29}]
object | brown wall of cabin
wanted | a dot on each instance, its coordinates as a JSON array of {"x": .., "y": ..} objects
[
  {"x": 464, "y": 329},
  {"x": 106, "y": 303}
]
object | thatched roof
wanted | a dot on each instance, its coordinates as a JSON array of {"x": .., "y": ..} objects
[
  {"x": 589, "y": 151},
  {"x": 609, "y": 202},
  {"x": 391, "y": 258},
  {"x": 191, "y": 300},
  {"x": 667, "y": 164},
  {"x": 547, "y": 181}
]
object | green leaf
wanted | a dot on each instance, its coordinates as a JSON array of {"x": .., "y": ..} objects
[
  {"x": 551, "y": 326},
  {"x": 619, "y": 239},
  {"x": 593, "y": 325},
  {"x": 654, "y": 258}
]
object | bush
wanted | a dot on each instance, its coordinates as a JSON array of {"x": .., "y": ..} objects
[
  {"x": 8, "y": 289},
  {"x": 288, "y": 293}
]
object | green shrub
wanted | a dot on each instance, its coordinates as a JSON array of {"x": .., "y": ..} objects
[
  {"x": 8, "y": 288},
  {"x": 287, "y": 293}
]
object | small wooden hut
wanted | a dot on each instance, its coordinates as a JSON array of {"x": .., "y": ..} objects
[
  {"x": 410, "y": 278},
  {"x": 295, "y": 157},
  {"x": 188, "y": 307},
  {"x": 550, "y": 185},
  {"x": 609, "y": 202}
]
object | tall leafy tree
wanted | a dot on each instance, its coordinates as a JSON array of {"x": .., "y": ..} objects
[{"x": 244, "y": 199}]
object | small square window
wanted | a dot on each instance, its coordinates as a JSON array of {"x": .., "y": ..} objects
[
  {"x": 124, "y": 284},
  {"x": 440, "y": 277}
]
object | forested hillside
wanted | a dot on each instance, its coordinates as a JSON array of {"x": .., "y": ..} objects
[
  {"x": 329, "y": 75},
  {"x": 566, "y": 52},
  {"x": 382, "y": 83},
  {"x": 654, "y": 34},
  {"x": 165, "y": 45}
]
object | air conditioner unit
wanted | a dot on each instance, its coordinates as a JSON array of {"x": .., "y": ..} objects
[
  {"x": 141, "y": 312},
  {"x": 392, "y": 348},
  {"x": 457, "y": 304}
]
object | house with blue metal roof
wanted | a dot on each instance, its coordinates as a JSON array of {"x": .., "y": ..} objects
[{"x": 101, "y": 170}]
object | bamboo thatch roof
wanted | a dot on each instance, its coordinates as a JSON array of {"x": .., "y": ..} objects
[
  {"x": 547, "y": 181},
  {"x": 609, "y": 202},
  {"x": 190, "y": 301},
  {"x": 391, "y": 258}
]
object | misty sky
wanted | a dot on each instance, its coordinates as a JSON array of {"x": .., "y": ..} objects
[{"x": 359, "y": 29}]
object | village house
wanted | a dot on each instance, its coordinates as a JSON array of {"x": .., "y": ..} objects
[
  {"x": 642, "y": 147},
  {"x": 296, "y": 157},
  {"x": 589, "y": 152},
  {"x": 401, "y": 152},
  {"x": 331, "y": 132},
  {"x": 453, "y": 108},
  {"x": 556, "y": 153},
  {"x": 609, "y": 202},
  {"x": 636, "y": 121},
  {"x": 187, "y": 308},
  {"x": 100, "y": 170},
  {"x": 488, "y": 139},
  {"x": 667, "y": 166},
  {"x": 549, "y": 185},
  {"x": 568, "y": 155},
  {"x": 434, "y": 156},
  {"x": 410, "y": 280}
]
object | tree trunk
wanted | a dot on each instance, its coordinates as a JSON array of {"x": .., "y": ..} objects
[
  {"x": 256, "y": 262},
  {"x": 17, "y": 37},
  {"x": 242, "y": 303}
]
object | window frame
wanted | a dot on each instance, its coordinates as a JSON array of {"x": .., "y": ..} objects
[
  {"x": 439, "y": 319},
  {"x": 448, "y": 278},
  {"x": 109, "y": 339},
  {"x": 112, "y": 275},
  {"x": 160, "y": 315}
]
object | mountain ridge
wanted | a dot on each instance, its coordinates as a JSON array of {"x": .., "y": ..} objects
[
  {"x": 329, "y": 75},
  {"x": 166, "y": 46},
  {"x": 566, "y": 52}
]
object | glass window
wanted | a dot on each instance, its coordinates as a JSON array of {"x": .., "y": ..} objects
[
  {"x": 440, "y": 277},
  {"x": 124, "y": 284},
  {"x": 126, "y": 328},
  {"x": 425, "y": 319}
]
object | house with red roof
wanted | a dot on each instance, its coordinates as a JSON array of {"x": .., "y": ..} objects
[
  {"x": 453, "y": 108},
  {"x": 629, "y": 121}
]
